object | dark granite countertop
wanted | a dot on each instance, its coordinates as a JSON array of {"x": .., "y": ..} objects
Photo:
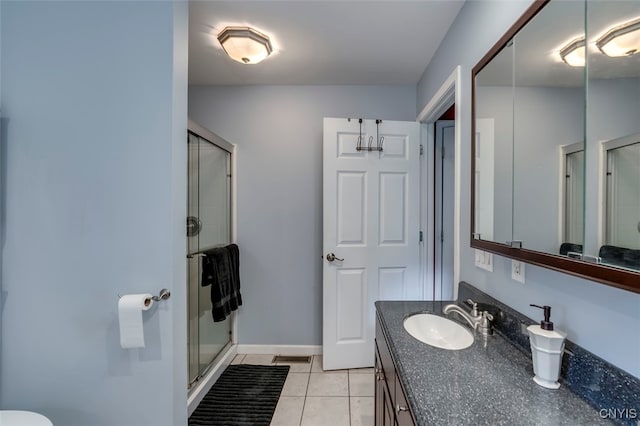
[{"x": 488, "y": 383}]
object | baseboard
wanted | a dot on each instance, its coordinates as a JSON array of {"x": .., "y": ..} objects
[
  {"x": 204, "y": 385},
  {"x": 280, "y": 349}
]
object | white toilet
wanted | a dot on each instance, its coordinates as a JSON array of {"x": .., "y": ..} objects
[{"x": 23, "y": 418}]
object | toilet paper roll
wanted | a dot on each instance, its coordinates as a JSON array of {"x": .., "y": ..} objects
[{"x": 130, "y": 307}]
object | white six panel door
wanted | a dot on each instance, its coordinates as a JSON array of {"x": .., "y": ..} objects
[{"x": 371, "y": 205}]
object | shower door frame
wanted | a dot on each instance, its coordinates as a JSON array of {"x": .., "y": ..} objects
[
  {"x": 604, "y": 213},
  {"x": 228, "y": 349}
]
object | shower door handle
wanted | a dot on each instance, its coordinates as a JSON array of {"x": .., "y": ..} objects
[
  {"x": 194, "y": 226},
  {"x": 331, "y": 257}
]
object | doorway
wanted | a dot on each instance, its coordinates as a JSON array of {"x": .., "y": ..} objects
[
  {"x": 371, "y": 230},
  {"x": 444, "y": 190},
  {"x": 444, "y": 105}
]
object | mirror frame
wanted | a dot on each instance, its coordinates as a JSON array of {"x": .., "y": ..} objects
[{"x": 615, "y": 277}]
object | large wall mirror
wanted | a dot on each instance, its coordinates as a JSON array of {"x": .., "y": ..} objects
[{"x": 556, "y": 141}]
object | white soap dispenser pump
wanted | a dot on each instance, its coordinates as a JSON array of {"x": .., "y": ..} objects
[{"x": 547, "y": 347}]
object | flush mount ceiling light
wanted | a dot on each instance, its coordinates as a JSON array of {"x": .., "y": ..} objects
[
  {"x": 623, "y": 40},
  {"x": 574, "y": 53},
  {"x": 244, "y": 44}
]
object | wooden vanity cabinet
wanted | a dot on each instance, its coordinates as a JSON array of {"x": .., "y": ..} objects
[
  {"x": 383, "y": 404},
  {"x": 391, "y": 406}
]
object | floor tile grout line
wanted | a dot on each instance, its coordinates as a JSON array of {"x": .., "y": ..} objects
[
  {"x": 304, "y": 402},
  {"x": 349, "y": 393}
]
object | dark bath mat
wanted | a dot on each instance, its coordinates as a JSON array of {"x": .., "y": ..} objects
[{"x": 243, "y": 395}]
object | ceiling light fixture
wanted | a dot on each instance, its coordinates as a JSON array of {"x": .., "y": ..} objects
[
  {"x": 623, "y": 40},
  {"x": 244, "y": 44},
  {"x": 574, "y": 53}
]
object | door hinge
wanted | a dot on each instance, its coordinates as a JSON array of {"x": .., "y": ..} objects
[
  {"x": 443, "y": 152},
  {"x": 441, "y": 236},
  {"x": 421, "y": 149},
  {"x": 420, "y": 236}
]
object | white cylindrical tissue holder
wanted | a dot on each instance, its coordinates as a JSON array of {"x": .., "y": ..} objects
[{"x": 130, "y": 309}]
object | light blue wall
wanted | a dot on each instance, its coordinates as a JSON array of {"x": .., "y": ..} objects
[
  {"x": 535, "y": 177},
  {"x": 278, "y": 130},
  {"x": 94, "y": 200},
  {"x": 602, "y": 319},
  {"x": 613, "y": 112}
]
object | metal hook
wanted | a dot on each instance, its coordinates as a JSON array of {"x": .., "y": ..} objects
[{"x": 379, "y": 139}]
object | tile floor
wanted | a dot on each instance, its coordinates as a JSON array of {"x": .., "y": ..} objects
[{"x": 313, "y": 397}]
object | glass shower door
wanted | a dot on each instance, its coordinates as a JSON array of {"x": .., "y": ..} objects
[
  {"x": 622, "y": 219},
  {"x": 208, "y": 226},
  {"x": 574, "y": 198}
]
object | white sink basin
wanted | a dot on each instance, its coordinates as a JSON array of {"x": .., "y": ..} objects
[{"x": 438, "y": 331}]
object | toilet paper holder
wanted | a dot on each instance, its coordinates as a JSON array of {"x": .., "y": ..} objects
[{"x": 164, "y": 295}]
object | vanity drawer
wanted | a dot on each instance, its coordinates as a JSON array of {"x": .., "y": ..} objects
[{"x": 401, "y": 407}]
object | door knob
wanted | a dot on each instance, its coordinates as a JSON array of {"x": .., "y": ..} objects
[{"x": 331, "y": 257}]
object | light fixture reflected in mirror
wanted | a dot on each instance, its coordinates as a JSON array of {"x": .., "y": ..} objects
[
  {"x": 245, "y": 45},
  {"x": 574, "y": 53},
  {"x": 623, "y": 40}
]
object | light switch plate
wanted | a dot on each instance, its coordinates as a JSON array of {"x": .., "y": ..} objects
[
  {"x": 488, "y": 261},
  {"x": 479, "y": 258},
  {"x": 517, "y": 271},
  {"x": 484, "y": 260}
]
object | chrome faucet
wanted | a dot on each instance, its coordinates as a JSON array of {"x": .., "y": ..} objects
[{"x": 480, "y": 321}]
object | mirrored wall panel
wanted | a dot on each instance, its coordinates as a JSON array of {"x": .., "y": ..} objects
[
  {"x": 556, "y": 141},
  {"x": 612, "y": 214},
  {"x": 548, "y": 109},
  {"x": 493, "y": 148}
]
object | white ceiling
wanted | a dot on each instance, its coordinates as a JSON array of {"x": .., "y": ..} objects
[{"x": 321, "y": 42}]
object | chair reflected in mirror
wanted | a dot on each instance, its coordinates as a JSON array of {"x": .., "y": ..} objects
[{"x": 620, "y": 256}]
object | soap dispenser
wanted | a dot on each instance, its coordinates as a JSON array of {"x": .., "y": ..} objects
[{"x": 547, "y": 347}]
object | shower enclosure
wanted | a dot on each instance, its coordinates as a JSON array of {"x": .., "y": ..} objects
[{"x": 209, "y": 225}]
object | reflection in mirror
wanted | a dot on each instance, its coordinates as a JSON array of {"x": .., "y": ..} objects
[
  {"x": 558, "y": 163},
  {"x": 548, "y": 103},
  {"x": 573, "y": 200},
  {"x": 622, "y": 203},
  {"x": 612, "y": 215},
  {"x": 494, "y": 148}
]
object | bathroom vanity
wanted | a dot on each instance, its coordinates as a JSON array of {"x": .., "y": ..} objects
[
  {"x": 391, "y": 405},
  {"x": 488, "y": 383}
]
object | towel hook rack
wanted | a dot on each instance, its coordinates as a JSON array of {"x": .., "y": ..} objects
[{"x": 370, "y": 146}]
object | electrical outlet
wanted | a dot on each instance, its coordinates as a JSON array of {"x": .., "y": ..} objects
[{"x": 517, "y": 271}]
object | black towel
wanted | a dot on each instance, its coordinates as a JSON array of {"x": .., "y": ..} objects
[{"x": 221, "y": 270}]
